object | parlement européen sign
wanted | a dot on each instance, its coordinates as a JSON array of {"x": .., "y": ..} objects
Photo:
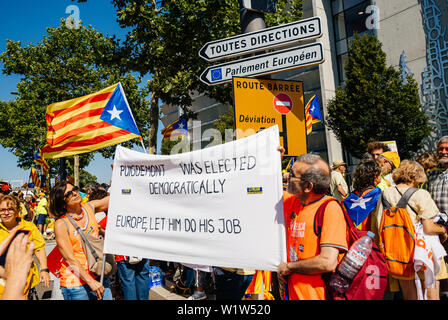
[
  {"x": 220, "y": 206},
  {"x": 268, "y": 63}
]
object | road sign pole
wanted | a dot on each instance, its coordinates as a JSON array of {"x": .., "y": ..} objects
[
  {"x": 62, "y": 172},
  {"x": 252, "y": 21}
]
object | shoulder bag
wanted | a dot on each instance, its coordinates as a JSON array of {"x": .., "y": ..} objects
[{"x": 93, "y": 248}]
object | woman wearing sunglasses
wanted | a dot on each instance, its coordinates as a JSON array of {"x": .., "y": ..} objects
[
  {"x": 10, "y": 221},
  {"x": 77, "y": 282}
]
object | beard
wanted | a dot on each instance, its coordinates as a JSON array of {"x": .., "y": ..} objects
[
  {"x": 293, "y": 189},
  {"x": 385, "y": 171},
  {"x": 443, "y": 162}
]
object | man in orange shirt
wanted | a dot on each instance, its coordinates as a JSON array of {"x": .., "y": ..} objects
[{"x": 310, "y": 255}]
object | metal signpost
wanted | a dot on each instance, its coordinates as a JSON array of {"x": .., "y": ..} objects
[
  {"x": 283, "y": 35},
  {"x": 267, "y": 6},
  {"x": 268, "y": 63}
]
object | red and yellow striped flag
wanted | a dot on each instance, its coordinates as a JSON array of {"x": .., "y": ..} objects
[
  {"x": 35, "y": 177},
  {"x": 89, "y": 123},
  {"x": 312, "y": 113},
  {"x": 41, "y": 161}
]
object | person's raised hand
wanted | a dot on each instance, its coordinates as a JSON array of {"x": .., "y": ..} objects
[{"x": 18, "y": 263}]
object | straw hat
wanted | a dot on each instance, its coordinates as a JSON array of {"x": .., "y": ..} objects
[{"x": 337, "y": 164}]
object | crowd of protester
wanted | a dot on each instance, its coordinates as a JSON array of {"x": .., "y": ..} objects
[{"x": 378, "y": 182}]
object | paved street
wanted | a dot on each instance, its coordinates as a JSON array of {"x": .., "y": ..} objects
[{"x": 44, "y": 293}]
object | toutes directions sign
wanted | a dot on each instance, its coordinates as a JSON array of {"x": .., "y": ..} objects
[{"x": 283, "y": 35}]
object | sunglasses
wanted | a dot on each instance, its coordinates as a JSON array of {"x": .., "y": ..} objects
[
  {"x": 291, "y": 175},
  {"x": 71, "y": 192}
]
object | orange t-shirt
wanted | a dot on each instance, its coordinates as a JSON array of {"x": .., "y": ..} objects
[
  {"x": 302, "y": 243},
  {"x": 68, "y": 276}
]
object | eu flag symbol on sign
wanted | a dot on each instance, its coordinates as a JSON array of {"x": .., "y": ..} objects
[{"x": 216, "y": 74}]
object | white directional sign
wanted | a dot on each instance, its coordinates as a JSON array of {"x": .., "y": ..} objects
[
  {"x": 259, "y": 40},
  {"x": 268, "y": 63}
]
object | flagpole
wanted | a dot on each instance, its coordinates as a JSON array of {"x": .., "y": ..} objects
[{"x": 143, "y": 145}]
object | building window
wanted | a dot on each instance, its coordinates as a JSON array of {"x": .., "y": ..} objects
[
  {"x": 339, "y": 26},
  {"x": 349, "y": 18},
  {"x": 342, "y": 62},
  {"x": 351, "y": 3},
  {"x": 355, "y": 19}
]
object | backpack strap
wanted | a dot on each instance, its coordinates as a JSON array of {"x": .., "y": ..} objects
[
  {"x": 402, "y": 195},
  {"x": 319, "y": 217},
  {"x": 386, "y": 204},
  {"x": 403, "y": 202}
]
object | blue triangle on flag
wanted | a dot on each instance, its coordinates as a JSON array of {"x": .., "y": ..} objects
[{"x": 117, "y": 112}]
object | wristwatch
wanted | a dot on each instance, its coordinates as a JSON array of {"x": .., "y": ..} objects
[{"x": 45, "y": 270}]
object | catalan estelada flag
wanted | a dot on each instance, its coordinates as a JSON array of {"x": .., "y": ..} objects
[
  {"x": 41, "y": 161},
  {"x": 312, "y": 112},
  {"x": 89, "y": 123},
  {"x": 176, "y": 129},
  {"x": 35, "y": 177}
]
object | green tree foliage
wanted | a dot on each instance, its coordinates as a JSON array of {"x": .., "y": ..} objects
[
  {"x": 67, "y": 64},
  {"x": 375, "y": 104},
  {"x": 166, "y": 36},
  {"x": 226, "y": 121}
]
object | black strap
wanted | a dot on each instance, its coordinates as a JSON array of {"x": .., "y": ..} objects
[
  {"x": 403, "y": 202},
  {"x": 402, "y": 196}
]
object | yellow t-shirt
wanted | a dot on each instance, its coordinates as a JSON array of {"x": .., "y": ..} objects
[
  {"x": 40, "y": 209},
  {"x": 23, "y": 211},
  {"x": 39, "y": 244}
]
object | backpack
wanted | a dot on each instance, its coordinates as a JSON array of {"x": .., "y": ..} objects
[
  {"x": 397, "y": 237},
  {"x": 370, "y": 282}
]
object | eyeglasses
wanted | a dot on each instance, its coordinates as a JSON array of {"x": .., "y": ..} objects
[
  {"x": 10, "y": 210},
  {"x": 71, "y": 192},
  {"x": 292, "y": 176}
]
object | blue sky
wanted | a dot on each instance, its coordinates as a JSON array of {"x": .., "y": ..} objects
[{"x": 26, "y": 21}]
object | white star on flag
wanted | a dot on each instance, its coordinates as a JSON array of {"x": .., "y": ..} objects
[
  {"x": 361, "y": 202},
  {"x": 115, "y": 113},
  {"x": 181, "y": 126}
]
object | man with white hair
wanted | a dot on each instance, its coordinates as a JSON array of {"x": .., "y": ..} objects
[
  {"x": 438, "y": 179},
  {"x": 438, "y": 187},
  {"x": 311, "y": 255}
]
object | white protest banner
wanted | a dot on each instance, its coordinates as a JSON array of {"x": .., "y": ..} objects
[{"x": 219, "y": 206}]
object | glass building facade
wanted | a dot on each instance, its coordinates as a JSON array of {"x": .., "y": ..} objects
[{"x": 349, "y": 18}]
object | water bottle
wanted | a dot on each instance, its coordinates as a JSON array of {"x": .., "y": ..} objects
[
  {"x": 157, "y": 278},
  {"x": 352, "y": 263},
  {"x": 151, "y": 277}
]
